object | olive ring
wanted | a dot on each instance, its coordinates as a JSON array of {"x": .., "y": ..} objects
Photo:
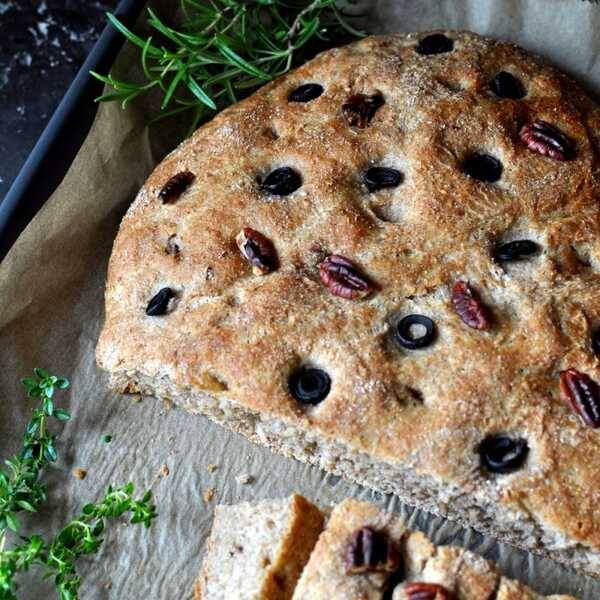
[
  {"x": 407, "y": 340},
  {"x": 309, "y": 385}
]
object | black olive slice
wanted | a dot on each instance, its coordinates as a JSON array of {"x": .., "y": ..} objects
[
  {"x": 378, "y": 178},
  {"x": 503, "y": 454},
  {"x": 305, "y": 92},
  {"x": 282, "y": 181},
  {"x": 506, "y": 85},
  {"x": 483, "y": 167},
  {"x": 436, "y": 43},
  {"x": 516, "y": 250},
  {"x": 159, "y": 303},
  {"x": 405, "y": 336},
  {"x": 309, "y": 385}
]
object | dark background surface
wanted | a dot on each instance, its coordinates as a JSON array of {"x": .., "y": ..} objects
[{"x": 42, "y": 45}]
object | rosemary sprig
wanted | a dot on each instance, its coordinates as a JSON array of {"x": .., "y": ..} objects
[
  {"x": 80, "y": 537},
  {"x": 222, "y": 50},
  {"x": 20, "y": 489}
]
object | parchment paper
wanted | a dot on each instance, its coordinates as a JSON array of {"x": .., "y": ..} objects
[{"x": 51, "y": 290}]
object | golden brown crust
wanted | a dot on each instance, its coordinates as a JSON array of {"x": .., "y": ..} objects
[
  {"x": 198, "y": 588},
  {"x": 293, "y": 551},
  {"x": 466, "y": 575},
  {"x": 242, "y": 335}
]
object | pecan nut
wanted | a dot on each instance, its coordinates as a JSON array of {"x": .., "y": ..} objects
[
  {"x": 547, "y": 140},
  {"x": 370, "y": 551},
  {"x": 426, "y": 591},
  {"x": 582, "y": 394},
  {"x": 343, "y": 279},
  {"x": 469, "y": 307},
  {"x": 257, "y": 250},
  {"x": 176, "y": 186},
  {"x": 359, "y": 109}
]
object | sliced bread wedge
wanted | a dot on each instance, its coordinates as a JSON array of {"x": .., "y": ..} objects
[{"x": 257, "y": 551}]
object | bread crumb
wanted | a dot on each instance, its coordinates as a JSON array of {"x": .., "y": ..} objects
[
  {"x": 244, "y": 479},
  {"x": 108, "y": 584},
  {"x": 211, "y": 468},
  {"x": 163, "y": 472},
  {"x": 80, "y": 473},
  {"x": 209, "y": 494},
  {"x": 167, "y": 403},
  {"x": 136, "y": 399}
]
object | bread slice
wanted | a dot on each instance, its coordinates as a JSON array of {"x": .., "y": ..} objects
[
  {"x": 426, "y": 165},
  {"x": 423, "y": 567},
  {"x": 325, "y": 574},
  {"x": 257, "y": 551}
]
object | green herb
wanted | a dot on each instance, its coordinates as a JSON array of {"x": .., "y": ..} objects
[
  {"x": 20, "y": 489},
  {"x": 80, "y": 537},
  {"x": 222, "y": 50},
  {"x": 107, "y": 439}
]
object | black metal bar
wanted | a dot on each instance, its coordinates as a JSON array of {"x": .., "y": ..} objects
[{"x": 58, "y": 145}]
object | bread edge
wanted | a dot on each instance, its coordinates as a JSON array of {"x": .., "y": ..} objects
[{"x": 333, "y": 456}]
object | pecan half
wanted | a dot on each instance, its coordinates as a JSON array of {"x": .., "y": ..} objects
[
  {"x": 545, "y": 139},
  {"x": 257, "y": 250},
  {"x": 582, "y": 394},
  {"x": 343, "y": 279},
  {"x": 469, "y": 307},
  {"x": 176, "y": 186},
  {"x": 426, "y": 591},
  {"x": 370, "y": 551},
  {"x": 359, "y": 109}
]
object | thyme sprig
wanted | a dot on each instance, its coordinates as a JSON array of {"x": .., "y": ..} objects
[
  {"x": 21, "y": 490},
  {"x": 83, "y": 535},
  {"x": 224, "y": 49}
]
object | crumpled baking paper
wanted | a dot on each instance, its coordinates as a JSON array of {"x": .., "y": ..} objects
[{"x": 51, "y": 288}]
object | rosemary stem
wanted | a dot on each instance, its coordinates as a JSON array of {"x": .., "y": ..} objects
[
  {"x": 234, "y": 20},
  {"x": 296, "y": 24},
  {"x": 221, "y": 47}
]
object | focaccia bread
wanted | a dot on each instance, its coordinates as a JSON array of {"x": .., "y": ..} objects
[
  {"x": 257, "y": 551},
  {"x": 386, "y": 263},
  {"x": 364, "y": 553}
]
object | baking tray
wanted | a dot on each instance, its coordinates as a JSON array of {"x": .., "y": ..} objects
[
  {"x": 58, "y": 145},
  {"x": 63, "y": 315}
]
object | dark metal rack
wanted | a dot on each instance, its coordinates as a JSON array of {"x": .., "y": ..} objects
[{"x": 58, "y": 145}]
